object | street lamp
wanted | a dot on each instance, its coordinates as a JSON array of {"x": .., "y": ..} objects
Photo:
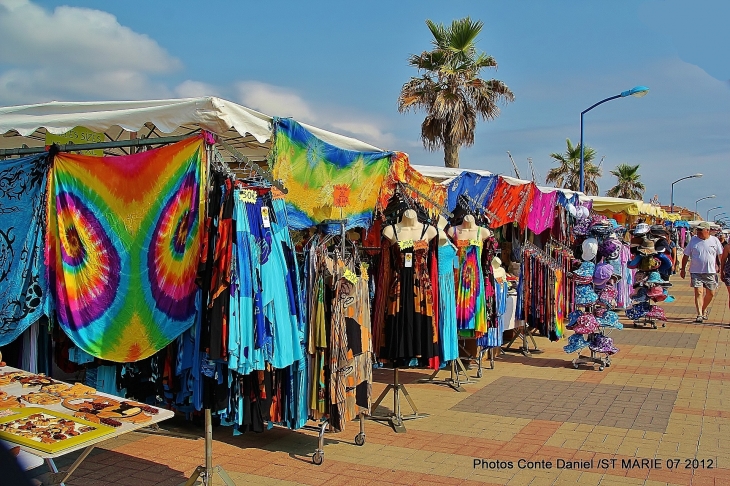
[
  {"x": 711, "y": 209},
  {"x": 637, "y": 92},
  {"x": 671, "y": 204},
  {"x": 717, "y": 216},
  {"x": 700, "y": 199}
]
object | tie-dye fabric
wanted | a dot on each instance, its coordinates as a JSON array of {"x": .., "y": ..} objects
[
  {"x": 471, "y": 305},
  {"x": 401, "y": 172},
  {"x": 123, "y": 246},
  {"x": 311, "y": 169},
  {"x": 23, "y": 286}
]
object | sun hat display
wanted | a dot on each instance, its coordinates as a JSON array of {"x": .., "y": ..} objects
[
  {"x": 656, "y": 293},
  {"x": 640, "y": 229},
  {"x": 573, "y": 318},
  {"x": 649, "y": 263},
  {"x": 610, "y": 248},
  {"x": 602, "y": 274},
  {"x": 609, "y": 319},
  {"x": 584, "y": 274},
  {"x": 585, "y": 295},
  {"x": 658, "y": 229},
  {"x": 608, "y": 296},
  {"x": 602, "y": 344},
  {"x": 656, "y": 312},
  {"x": 656, "y": 279},
  {"x": 576, "y": 342},
  {"x": 586, "y": 324},
  {"x": 602, "y": 229},
  {"x": 634, "y": 262},
  {"x": 590, "y": 249},
  {"x": 582, "y": 227},
  {"x": 646, "y": 247},
  {"x": 582, "y": 212},
  {"x": 638, "y": 311}
]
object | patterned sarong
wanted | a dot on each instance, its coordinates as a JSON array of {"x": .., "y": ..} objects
[
  {"x": 23, "y": 286},
  {"x": 123, "y": 247}
]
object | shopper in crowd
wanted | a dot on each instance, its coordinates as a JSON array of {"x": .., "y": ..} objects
[{"x": 703, "y": 252}]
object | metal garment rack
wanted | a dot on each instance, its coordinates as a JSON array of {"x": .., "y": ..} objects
[
  {"x": 396, "y": 417},
  {"x": 318, "y": 456}
]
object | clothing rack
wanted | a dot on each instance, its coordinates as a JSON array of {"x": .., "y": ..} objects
[{"x": 240, "y": 158}]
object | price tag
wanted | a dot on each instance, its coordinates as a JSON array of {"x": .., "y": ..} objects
[
  {"x": 247, "y": 196},
  {"x": 405, "y": 244},
  {"x": 475, "y": 242},
  {"x": 350, "y": 276},
  {"x": 462, "y": 243},
  {"x": 409, "y": 260},
  {"x": 364, "y": 271},
  {"x": 420, "y": 245},
  {"x": 265, "y": 216},
  {"x": 341, "y": 196}
]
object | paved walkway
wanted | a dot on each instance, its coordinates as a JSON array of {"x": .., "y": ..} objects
[{"x": 660, "y": 414}]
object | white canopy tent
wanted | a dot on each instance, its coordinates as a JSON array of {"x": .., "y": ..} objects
[{"x": 244, "y": 129}]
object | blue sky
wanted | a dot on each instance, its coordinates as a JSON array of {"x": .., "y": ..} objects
[{"x": 340, "y": 66}]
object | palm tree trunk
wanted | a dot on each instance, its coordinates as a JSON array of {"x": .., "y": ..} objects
[{"x": 451, "y": 154}]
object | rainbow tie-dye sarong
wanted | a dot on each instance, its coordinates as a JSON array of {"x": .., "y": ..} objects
[
  {"x": 315, "y": 173},
  {"x": 122, "y": 247}
]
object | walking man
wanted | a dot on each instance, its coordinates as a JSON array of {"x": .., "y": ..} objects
[{"x": 703, "y": 251}]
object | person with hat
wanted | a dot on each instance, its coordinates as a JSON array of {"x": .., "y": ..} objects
[{"x": 703, "y": 251}]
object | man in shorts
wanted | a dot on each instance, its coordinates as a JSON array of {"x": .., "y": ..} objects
[{"x": 703, "y": 251}]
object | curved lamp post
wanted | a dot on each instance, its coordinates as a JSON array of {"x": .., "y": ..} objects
[
  {"x": 701, "y": 199},
  {"x": 711, "y": 209},
  {"x": 637, "y": 92},
  {"x": 671, "y": 204}
]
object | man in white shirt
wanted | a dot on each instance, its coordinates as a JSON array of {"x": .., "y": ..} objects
[{"x": 703, "y": 251}]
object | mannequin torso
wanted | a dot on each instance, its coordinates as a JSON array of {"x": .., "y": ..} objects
[
  {"x": 409, "y": 228},
  {"x": 468, "y": 230}
]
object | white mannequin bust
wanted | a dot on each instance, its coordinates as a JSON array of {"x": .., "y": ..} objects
[
  {"x": 409, "y": 228},
  {"x": 500, "y": 274},
  {"x": 468, "y": 230}
]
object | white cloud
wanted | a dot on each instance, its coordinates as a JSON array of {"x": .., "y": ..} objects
[
  {"x": 75, "y": 37},
  {"x": 284, "y": 102},
  {"x": 275, "y": 101},
  {"x": 75, "y": 54},
  {"x": 195, "y": 89}
]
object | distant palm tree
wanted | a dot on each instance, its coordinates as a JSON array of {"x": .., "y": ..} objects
[
  {"x": 567, "y": 173},
  {"x": 628, "y": 184},
  {"x": 450, "y": 89}
]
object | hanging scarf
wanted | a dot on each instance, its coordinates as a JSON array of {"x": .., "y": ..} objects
[
  {"x": 316, "y": 174},
  {"x": 122, "y": 248},
  {"x": 23, "y": 285}
]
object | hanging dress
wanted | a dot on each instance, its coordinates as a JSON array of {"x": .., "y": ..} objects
[
  {"x": 447, "y": 263},
  {"x": 408, "y": 327},
  {"x": 471, "y": 313}
]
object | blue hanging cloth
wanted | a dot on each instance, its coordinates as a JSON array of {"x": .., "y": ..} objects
[{"x": 23, "y": 287}]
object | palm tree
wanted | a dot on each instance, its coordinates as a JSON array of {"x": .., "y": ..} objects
[
  {"x": 567, "y": 174},
  {"x": 628, "y": 185},
  {"x": 450, "y": 89}
]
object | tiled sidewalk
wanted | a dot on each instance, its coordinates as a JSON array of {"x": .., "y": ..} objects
[{"x": 664, "y": 397}]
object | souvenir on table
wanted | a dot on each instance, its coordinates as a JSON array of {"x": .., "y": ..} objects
[
  {"x": 41, "y": 398},
  {"x": 49, "y": 431},
  {"x": 10, "y": 401},
  {"x": 77, "y": 390},
  {"x": 8, "y": 377},
  {"x": 33, "y": 380}
]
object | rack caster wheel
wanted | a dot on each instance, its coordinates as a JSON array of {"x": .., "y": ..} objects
[
  {"x": 664, "y": 324},
  {"x": 600, "y": 368},
  {"x": 636, "y": 325},
  {"x": 575, "y": 365},
  {"x": 360, "y": 439},
  {"x": 479, "y": 373},
  {"x": 653, "y": 326},
  {"x": 318, "y": 458}
]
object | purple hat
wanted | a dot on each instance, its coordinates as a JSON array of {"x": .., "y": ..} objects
[
  {"x": 586, "y": 324},
  {"x": 602, "y": 344},
  {"x": 602, "y": 274},
  {"x": 610, "y": 248}
]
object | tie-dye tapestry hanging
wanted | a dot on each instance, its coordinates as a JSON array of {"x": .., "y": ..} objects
[
  {"x": 22, "y": 219},
  {"x": 123, "y": 247},
  {"x": 316, "y": 174}
]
